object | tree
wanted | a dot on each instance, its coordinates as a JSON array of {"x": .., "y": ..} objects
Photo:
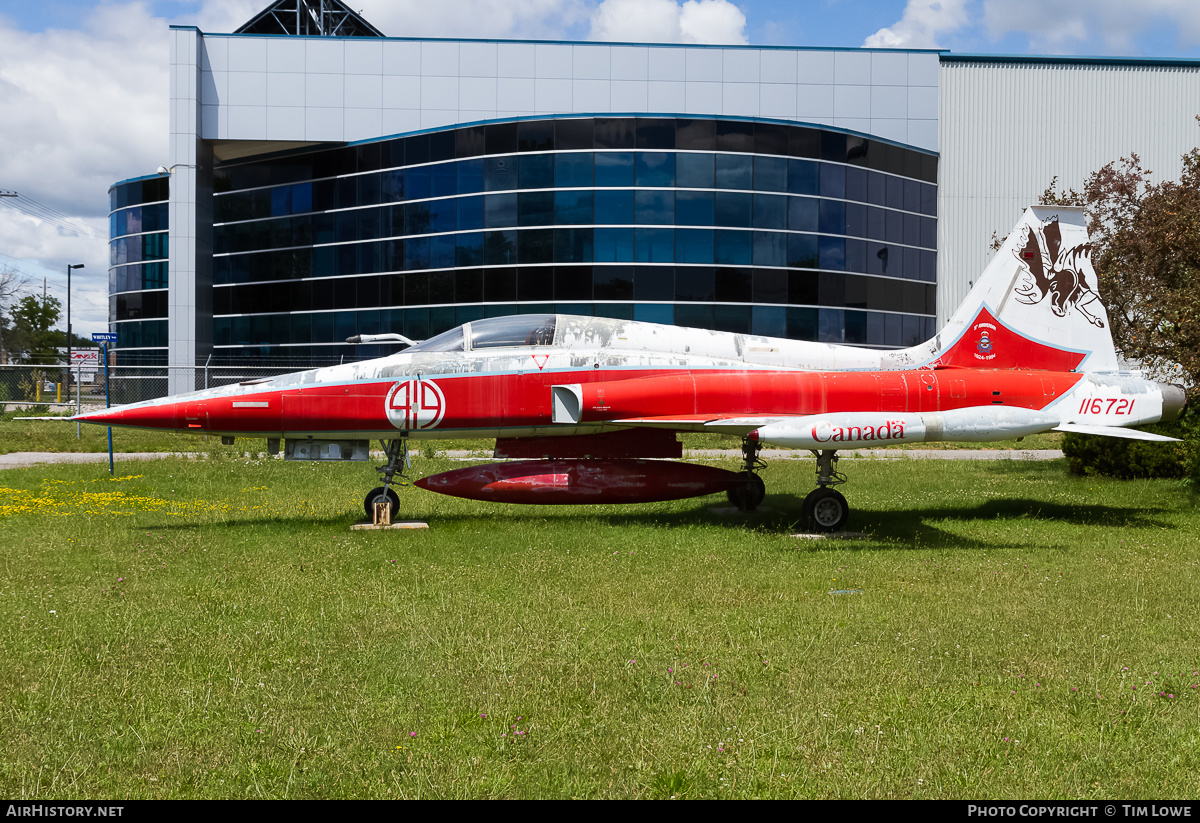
[
  {"x": 33, "y": 318},
  {"x": 1146, "y": 251},
  {"x": 11, "y": 284}
]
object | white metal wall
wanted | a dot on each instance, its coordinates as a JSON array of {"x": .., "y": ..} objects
[{"x": 1008, "y": 128}]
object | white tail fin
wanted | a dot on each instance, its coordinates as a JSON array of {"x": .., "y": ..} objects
[{"x": 1036, "y": 306}]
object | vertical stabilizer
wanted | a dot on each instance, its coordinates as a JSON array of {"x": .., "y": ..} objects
[{"x": 1037, "y": 304}]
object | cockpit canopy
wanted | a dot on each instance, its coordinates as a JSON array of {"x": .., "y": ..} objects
[{"x": 493, "y": 333}]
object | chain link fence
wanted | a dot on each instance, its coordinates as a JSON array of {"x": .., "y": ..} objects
[{"x": 23, "y": 386}]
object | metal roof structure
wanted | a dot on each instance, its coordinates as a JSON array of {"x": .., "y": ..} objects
[{"x": 309, "y": 18}]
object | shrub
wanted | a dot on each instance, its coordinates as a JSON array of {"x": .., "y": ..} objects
[{"x": 1127, "y": 459}]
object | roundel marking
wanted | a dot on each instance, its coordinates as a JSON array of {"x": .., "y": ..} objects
[{"x": 415, "y": 404}]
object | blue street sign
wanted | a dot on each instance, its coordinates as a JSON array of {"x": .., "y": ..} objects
[{"x": 104, "y": 337}]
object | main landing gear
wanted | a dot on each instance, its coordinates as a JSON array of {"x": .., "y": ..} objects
[
  {"x": 825, "y": 509},
  {"x": 748, "y": 490},
  {"x": 396, "y": 451}
]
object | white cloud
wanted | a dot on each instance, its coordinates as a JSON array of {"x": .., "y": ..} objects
[
  {"x": 665, "y": 21},
  {"x": 1109, "y": 25},
  {"x": 532, "y": 19},
  {"x": 921, "y": 25}
]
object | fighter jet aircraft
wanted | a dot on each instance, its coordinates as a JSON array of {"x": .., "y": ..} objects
[{"x": 584, "y": 403}]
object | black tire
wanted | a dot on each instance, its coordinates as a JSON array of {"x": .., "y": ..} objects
[
  {"x": 377, "y": 494},
  {"x": 826, "y": 510},
  {"x": 747, "y": 492}
]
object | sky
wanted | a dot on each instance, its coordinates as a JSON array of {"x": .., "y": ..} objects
[{"x": 83, "y": 84}]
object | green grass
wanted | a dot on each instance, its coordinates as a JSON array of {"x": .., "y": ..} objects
[{"x": 212, "y": 628}]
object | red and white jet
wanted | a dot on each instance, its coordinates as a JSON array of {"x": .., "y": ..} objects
[{"x": 582, "y": 402}]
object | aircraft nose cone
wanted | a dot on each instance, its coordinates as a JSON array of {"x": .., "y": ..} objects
[{"x": 1174, "y": 399}]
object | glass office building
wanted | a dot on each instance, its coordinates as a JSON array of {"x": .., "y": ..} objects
[{"x": 137, "y": 275}]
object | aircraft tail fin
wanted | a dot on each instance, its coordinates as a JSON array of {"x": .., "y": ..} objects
[{"x": 1036, "y": 306}]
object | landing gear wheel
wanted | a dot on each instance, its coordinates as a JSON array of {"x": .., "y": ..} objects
[
  {"x": 747, "y": 492},
  {"x": 826, "y": 510},
  {"x": 377, "y": 495}
]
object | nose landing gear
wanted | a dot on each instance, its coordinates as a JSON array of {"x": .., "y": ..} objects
[{"x": 397, "y": 460}]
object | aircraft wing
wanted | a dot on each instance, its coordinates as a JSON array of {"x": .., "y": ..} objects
[{"x": 1114, "y": 431}]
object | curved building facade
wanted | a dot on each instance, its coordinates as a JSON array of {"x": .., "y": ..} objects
[
  {"x": 731, "y": 224},
  {"x": 138, "y": 250}
]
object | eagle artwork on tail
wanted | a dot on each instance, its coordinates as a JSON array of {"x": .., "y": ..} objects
[{"x": 1061, "y": 273}]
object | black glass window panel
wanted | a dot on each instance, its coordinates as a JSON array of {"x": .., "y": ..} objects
[
  {"x": 832, "y": 217},
  {"x": 857, "y": 288},
  {"x": 654, "y": 169},
  {"x": 574, "y": 134},
  {"x": 612, "y": 283},
  {"x": 368, "y": 228},
  {"x": 694, "y": 246},
  {"x": 391, "y": 188},
  {"x": 614, "y": 207},
  {"x": 469, "y": 142},
  {"x": 615, "y": 133},
  {"x": 536, "y": 171},
  {"x": 500, "y": 248},
  {"x": 368, "y": 292},
  {"x": 573, "y": 207},
  {"x": 469, "y": 249},
  {"x": 416, "y": 150},
  {"x": 734, "y": 135},
  {"x": 804, "y": 143},
  {"x": 535, "y": 135},
  {"x": 535, "y": 283},
  {"x": 416, "y": 218},
  {"x": 733, "y": 285},
  {"x": 929, "y": 166},
  {"x": 655, "y": 133},
  {"x": 732, "y": 248},
  {"x": 443, "y": 251},
  {"x": 499, "y": 173},
  {"x": 500, "y": 138},
  {"x": 695, "y": 170},
  {"x": 573, "y": 170},
  {"x": 802, "y": 177},
  {"x": 696, "y": 135},
  {"x": 770, "y": 138},
  {"x": 441, "y": 147},
  {"x": 694, "y": 208},
  {"x": 468, "y": 286},
  {"x": 535, "y": 208},
  {"x": 912, "y": 164},
  {"x": 856, "y": 327},
  {"x": 694, "y": 316},
  {"x": 733, "y": 209},
  {"x": 368, "y": 257},
  {"x": 831, "y": 253},
  {"x": 734, "y": 319},
  {"x": 368, "y": 189},
  {"x": 833, "y": 146},
  {"x": 499, "y": 285},
  {"x": 535, "y": 246},
  {"x": 879, "y": 259},
  {"x": 734, "y": 171},
  {"x": 656, "y": 208},
  {"x": 416, "y": 254},
  {"x": 770, "y": 287},
  {"x": 802, "y": 323},
  {"x": 770, "y": 211},
  {"x": 770, "y": 174},
  {"x": 654, "y": 283},
  {"x": 614, "y": 168},
  {"x": 573, "y": 283},
  {"x": 694, "y": 283},
  {"x": 613, "y": 245},
  {"x": 617, "y": 311},
  {"x": 348, "y": 259}
]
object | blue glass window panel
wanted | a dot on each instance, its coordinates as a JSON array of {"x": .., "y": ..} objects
[
  {"x": 856, "y": 255},
  {"x": 929, "y": 199},
  {"x": 655, "y": 208},
  {"x": 536, "y": 171},
  {"x": 929, "y": 266},
  {"x": 770, "y": 174},
  {"x": 770, "y": 211},
  {"x": 613, "y": 245},
  {"x": 470, "y": 213},
  {"x": 912, "y": 230},
  {"x": 832, "y": 217},
  {"x": 499, "y": 173},
  {"x": 911, "y": 334},
  {"x": 802, "y": 323},
  {"x": 617, "y": 311},
  {"x": 694, "y": 171},
  {"x": 416, "y": 218},
  {"x": 694, "y": 208},
  {"x": 573, "y": 245},
  {"x": 614, "y": 207},
  {"x": 655, "y": 169},
  {"x": 443, "y": 215},
  {"x": 912, "y": 195},
  {"x": 832, "y": 253},
  {"x": 876, "y": 188},
  {"x": 368, "y": 190},
  {"x": 443, "y": 179},
  {"x": 770, "y": 321},
  {"x": 500, "y": 211},
  {"x": 442, "y": 251},
  {"x": 830, "y": 325},
  {"x": 802, "y": 177},
  {"x": 573, "y": 170},
  {"x": 733, "y": 319},
  {"x": 732, "y": 248},
  {"x": 654, "y": 313},
  {"x": 856, "y": 184},
  {"x": 802, "y": 213},
  {"x": 875, "y": 328},
  {"x": 572, "y": 207},
  {"x": 733, "y": 209},
  {"x": 893, "y": 329},
  {"x": 912, "y": 264},
  {"x": 856, "y": 219},
  {"x": 833, "y": 180},
  {"x": 535, "y": 246},
  {"x": 734, "y": 171},
  {"x": 770, "y": 248},
  {"x": 581, "y": 309},
  {"x": 855, "y": 327},
  {"x": 929, "y": 232},
  {"x": 894, "y": 227},
  {"x": 895, "y": 193},
  {"x": 695, "y": 284},
  {"x": 416, "y": 254},
  {"x": 500, "y": 248},
  {"x": 469, "y": 249},
  {"x": 654, "y": 245},
  {"x": 694, "y": 246},
  {"x": 391, "y": 186},
  {"x": 535, "y": 208},
  {"x": 614, "y": 168},
  {"x": 470, "y": 175},
  {"x": 694, "y": 316},
  {"x": 416, "y": 183},
  {"x": 876, "y": 221}
]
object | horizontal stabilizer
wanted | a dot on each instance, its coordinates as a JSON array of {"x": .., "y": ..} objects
[{"x": 1114, "y": 431}]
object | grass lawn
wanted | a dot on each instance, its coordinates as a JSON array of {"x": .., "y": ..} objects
[{"x": 212, "y": 628}]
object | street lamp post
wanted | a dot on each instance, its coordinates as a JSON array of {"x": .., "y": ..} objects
[{"x": 78, "y": 400}]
